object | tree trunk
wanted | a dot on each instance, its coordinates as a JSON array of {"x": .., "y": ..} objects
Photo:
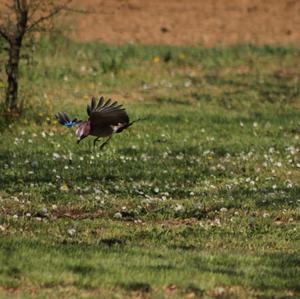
[
  {"x": 15, "y": 44},
  {"x": 12, "y": 71}
]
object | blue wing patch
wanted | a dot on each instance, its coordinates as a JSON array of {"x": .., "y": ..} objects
[
  {"x": 65, "y": 120},
  {"x": 70, "y": 124}
]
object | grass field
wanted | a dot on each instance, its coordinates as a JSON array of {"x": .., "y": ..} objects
[{"x": 202, "y": 200}]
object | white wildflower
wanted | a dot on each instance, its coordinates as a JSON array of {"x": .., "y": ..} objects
[
  {"x": 266, "y": 214},
  {"x": 71, "y": 232},
  {"x": 118, "y": 215},
  {"x": 187, "y": 84},
  {"x": 178, "y": 207},
  {"x": 55, "y": 156}
]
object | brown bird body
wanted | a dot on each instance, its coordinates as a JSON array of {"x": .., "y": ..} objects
[{"x": 105, "y": 118}]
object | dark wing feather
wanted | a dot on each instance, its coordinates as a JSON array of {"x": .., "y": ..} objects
[
  {"x": 107, "y": 104},
  {"x": 91, "y": 107},
  {"x": 100, "y": 103},
  {"x": 108, "y": 114},
  {"x": 93, "y": 103},
  {"x": 105, "y": 119}
]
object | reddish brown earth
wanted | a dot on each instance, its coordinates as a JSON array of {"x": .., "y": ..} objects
[{"x": 186, "y": 22}]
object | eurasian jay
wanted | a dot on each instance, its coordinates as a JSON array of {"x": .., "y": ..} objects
[{"x": 105, "y": 118}]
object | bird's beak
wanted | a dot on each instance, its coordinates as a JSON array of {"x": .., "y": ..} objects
[{"x": 78, "y": 141}]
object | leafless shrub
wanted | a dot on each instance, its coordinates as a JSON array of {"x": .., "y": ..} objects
[{"x": 20, "y": 19}]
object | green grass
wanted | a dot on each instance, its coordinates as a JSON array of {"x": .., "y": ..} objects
[{"x": 201, "y": 200}]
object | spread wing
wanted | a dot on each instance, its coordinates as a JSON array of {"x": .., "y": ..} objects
[
  {"x": 64, "y": 119},
  {"x": 109, "y": 113}
]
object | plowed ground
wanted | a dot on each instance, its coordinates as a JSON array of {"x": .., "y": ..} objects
[{"x": 188, "y": 22}]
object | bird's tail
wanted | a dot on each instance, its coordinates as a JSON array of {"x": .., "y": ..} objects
[
  {"x": 125, "y": 126},
  {"x": 136, "y": 120}
]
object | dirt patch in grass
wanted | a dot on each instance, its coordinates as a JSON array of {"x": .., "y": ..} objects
[
  {"x": 76, "y": 213},
  {"x": 178, "y": 22}
]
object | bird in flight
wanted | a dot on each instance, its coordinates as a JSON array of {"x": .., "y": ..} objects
[{"x": 105, "y": 118}]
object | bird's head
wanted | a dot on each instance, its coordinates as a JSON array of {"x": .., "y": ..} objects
[{"x": 83, "y": 131}]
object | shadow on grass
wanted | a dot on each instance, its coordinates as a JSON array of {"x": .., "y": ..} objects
[
  {"x": 273, "y": 271},
  {"x": 136, "y": 287},
  {"x": 82, "y": 269}
]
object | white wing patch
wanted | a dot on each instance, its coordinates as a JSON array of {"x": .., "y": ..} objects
[{"x": 118, "y": 127}]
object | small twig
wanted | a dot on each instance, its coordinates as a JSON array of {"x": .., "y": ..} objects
[
  {"x": 42, "y": 19},
  {"x": 76, "y": 10}
]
